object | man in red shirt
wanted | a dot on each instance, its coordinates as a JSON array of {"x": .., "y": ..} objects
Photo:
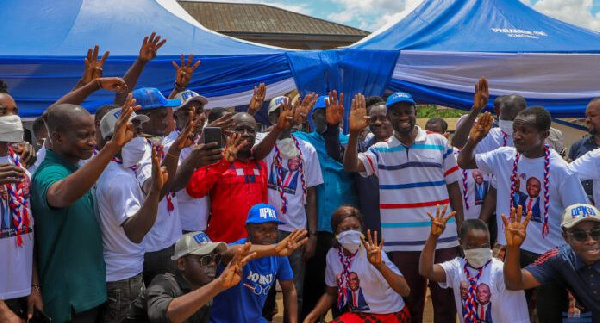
[{"x": 234, "y": 184}]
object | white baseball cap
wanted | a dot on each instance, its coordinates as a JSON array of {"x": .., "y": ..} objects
[
  {"x": 196, "y": 243},
  {"x": 109, "y": 121},
  {"x": 188, "y": 96},
  {"x": 579, "y": 212},
  {"x": 276, "y": 103}
]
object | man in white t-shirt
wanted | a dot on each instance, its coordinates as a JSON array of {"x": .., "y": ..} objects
[
  {"x": 587, "y": 167},
  {"x": 512, "y": 167},
  {"x": 17, "y": 284}
]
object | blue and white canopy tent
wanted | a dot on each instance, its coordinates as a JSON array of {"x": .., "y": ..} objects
[{"x": 44, "y": 44}]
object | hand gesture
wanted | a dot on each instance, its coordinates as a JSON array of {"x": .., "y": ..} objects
[
  {"x": 232, "y": 274},
  {"x": 225, "y": 122},
  {"x": 334, "y": 108},
  {"x": 206, "y": 154},
  {"x": 26, "y": 153},
  {"x": 482, "y": 94},
  {"x": 305, "y": 107},
  {"x": 358, "y": 114},
  {"x": 160, "y": 175},
  {"x": 286, "y": 114},
  {"x": 149, "y": 47},
  {"x": 34, "y": 301},
  {"x": 124, "y": 130},
  {"x": 373, "y": 248},
  {"x": 93, "y": 67},
  {"x": 234, "y": 144},
  {"x": 184, "y": 72},
  {"x": 438, "y": 224},
  {"x": 481, "y": 127},
  {"x": 515, "y": 230},
  {"x": 292, "y": 242},
  {"x": 309, "y": 248},
  {"x": 114, "y": 84},
  {"x": 257, "y": 98},
  {"x": 186, "y": 136},
  {"x": 10, "y": 174}
]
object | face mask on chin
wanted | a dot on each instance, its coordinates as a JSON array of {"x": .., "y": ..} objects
[
  {"x": 350, "y": 240},
  {"x": 133, "y": 152},
  {"x": 478, "y": 257},
  {"x": 506, "y": 126}
]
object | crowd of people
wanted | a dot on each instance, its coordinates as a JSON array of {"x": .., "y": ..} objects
[{"x": 160, "y": 210}]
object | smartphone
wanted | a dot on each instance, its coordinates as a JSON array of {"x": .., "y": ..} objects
[{"x": 214, "y": 134}]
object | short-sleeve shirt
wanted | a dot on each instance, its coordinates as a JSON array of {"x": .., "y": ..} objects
[
  {"x": 15, "y": 269},
  {"x": 338, "y": 186},
  {"x": 244, "y": 302},
  {"x": 69, "y": 245},
  {"x": 293, "y": 172},
  {"x": 152, "y": 304},
  {"x": 578, "y": 149},
  {"x": 587, "y": 167},
  {"x": 373, "y": 294},
  {"x": 564, "y": 266},
  {"x": 119, "y": 197},
  {"x": 492, "y": 298},
  {"x": 564, "y": 190},
  {"x": 495, "y": 139},
  {"x": 412, "y": 181}
]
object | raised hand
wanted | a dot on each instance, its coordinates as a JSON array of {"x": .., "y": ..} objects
[
  {"x": 438, "y": 223},
  {"x": 124, "y": 130},
  {"x": 358, "y": 114},
  {"x": 305, "y": 107},
  {"x": 114, "y": 84},
  {"x": 373, "y": 248},
  {"x": 10, "y": 174},
  {"x": 481, "y": 127},
  {"x": 516, "y": 231},
  {"x": 234, "y": 144},
  {"x": 206, "y": 154},
  {"x": 149, "y": 47},
  {"x": 286, "y": 114},
  {"x": 258, "y": 98},
  {"x": 186, "y": 136},
  {"x": 292, "y": 242},
  {"x": 482, "y": 94},
  {"x": 334, "y": 108},
  {"x": 232, "y": 274},
  {"x": 160, "y": 175},
  {"x": 93, "y": 67},
  {"x": 184, "y": 72},
  {"x": 26, "y": 153},
  {"x": 225, "y": 122}
]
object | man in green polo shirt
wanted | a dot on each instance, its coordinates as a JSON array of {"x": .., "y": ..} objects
[{"x": 68, "y": 240}]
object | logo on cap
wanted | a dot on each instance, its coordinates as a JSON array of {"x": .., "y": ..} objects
[
  {"x": 187, "y": 95},
  {"x": 267, "y": 213},
  {"x": 582, "y": 211},
  {"x": 201, "y": 238}
]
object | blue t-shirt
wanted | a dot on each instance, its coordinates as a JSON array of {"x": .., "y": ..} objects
[{"x": 244, "y": 302}]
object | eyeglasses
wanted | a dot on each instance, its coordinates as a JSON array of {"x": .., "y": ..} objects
[
  {"x": 582, "y": 235},
  {"x": 207, "y": 259}
]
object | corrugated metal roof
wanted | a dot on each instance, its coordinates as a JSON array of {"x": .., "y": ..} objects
[{"x": 259, "y": 18}]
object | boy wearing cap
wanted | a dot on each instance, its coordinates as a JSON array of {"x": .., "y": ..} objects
[
  {"x": 417, "y": 171},
  {"x": 575, "y": 265},
  {"x": 186, "y": 295},
  {"x": 244, "y": 302}
]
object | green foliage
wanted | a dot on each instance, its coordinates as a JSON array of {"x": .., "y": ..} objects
[{"x": 432, "y": 111}]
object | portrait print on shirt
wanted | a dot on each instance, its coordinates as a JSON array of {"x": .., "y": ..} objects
[
  {"x": 7, "y": 226},
  {"x": 530, "y": 196},
  {"x": 483, "y": 295},
  {"x": 290, "y": 175},
  {"x": 356, "y": 299},
  {"x": 481, "y": 187}
]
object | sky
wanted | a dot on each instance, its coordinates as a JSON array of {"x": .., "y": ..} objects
[{"x": 371, "y": 15}]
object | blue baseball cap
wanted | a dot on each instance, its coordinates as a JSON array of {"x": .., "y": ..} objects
[
  {"x": 320, "y": 104},
  {"x": 151, "y": 98},
  {"x": 400, "y": 97},
  {"x": 262, "y": 213}
]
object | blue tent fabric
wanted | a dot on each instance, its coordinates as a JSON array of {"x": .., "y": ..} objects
[{"x": 483, "y": 26}]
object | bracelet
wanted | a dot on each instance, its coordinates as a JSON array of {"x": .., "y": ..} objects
[
  {"x": 178, "y": 87},
  {"x": 36, "y": 288},
  {"x": 173, "y": 155}
]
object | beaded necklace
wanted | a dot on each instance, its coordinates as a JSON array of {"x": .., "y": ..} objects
[
  {"x": 17, "y": 202},
  {"x": 470, "y": 305}
]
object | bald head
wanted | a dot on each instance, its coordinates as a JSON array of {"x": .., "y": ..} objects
[
  {"x": 63, "y": 117},
  {"x": 511, "y": 105},
  {"x": 243, "y": 117},
  {"x": 245, "y": 125}
]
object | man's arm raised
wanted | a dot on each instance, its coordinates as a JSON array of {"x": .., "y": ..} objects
[{"x": 466, "y": 158}]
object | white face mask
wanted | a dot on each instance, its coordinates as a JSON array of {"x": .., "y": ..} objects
[
  {"x": 506, "y": 126},
  {"x": 350, "y": 240},
  {"x": 478, "y": 257},
  {"x": 133, "y": 152},
  {"x": 287, "y": 147},
  {"x": 11, "y": 128}
]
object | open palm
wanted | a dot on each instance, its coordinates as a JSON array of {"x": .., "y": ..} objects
[{"x": 516, "y": 231}]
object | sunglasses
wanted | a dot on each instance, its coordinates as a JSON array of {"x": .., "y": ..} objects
[
  {"x": 582, "y": 235},
  {"x": 207, "y": 259}
]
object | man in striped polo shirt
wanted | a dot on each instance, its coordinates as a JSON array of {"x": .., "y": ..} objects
[{"x": 416, "y": 171}]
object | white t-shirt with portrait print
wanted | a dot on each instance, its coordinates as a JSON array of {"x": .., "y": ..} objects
[
  {"x": 374, "y": 294},
  {"x": 587, "y": 167},
  {"x": 493, "y": 300},
  {"x": 16, "y": 264},
  {"x": 495, "y": 139},
  {"x": 478, "y": 184},
  {"x": 295, "y": 217},
  {"x": 565, "y": 189}
]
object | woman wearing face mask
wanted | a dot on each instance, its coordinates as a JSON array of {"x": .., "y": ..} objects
[
  {"x": 361, "y": 281},
  {"x": 477, "y": 278}
]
